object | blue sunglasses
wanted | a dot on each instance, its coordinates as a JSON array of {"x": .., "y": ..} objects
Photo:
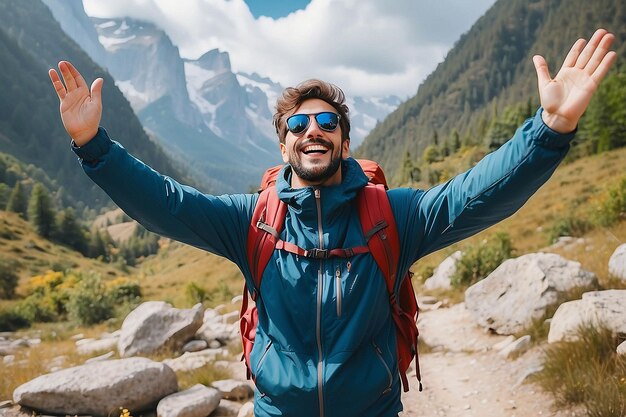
[{"x": 326, "y": 120}]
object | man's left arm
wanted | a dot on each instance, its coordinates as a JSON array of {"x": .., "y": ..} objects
[{"x": 504, "y": 180}]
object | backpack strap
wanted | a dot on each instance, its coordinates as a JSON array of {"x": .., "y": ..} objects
[
  {"x": 380, "y": 230},
  {"x": 265, "y": 227}
]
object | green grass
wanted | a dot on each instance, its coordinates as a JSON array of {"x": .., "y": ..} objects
[{"x": 587, "y": 372}]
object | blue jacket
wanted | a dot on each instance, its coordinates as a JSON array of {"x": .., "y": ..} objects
[{"x": 325, "y": 343}]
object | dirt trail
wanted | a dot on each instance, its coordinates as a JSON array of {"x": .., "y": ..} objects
[{"x": 465, "y": 376}]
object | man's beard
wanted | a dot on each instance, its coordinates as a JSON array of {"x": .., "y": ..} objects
[{"x": 316, "y": 174}]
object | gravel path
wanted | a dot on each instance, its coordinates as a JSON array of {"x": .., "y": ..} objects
[{"x": 465, "y": 376}]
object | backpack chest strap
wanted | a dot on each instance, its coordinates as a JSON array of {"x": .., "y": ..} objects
[{"x": 320, "y": 253}]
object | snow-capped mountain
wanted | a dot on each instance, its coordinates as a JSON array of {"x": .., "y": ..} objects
[{"x": 218, "y": 122}]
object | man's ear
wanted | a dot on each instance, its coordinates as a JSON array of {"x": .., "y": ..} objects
[
  {"x": 283, "y": 152},
  {"x": 345, "y": 148}
]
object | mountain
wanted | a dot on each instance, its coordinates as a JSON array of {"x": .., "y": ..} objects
[
  {"x": 488, "y": 70},
  {"x": 215, "y": 120},
  {"x": 31, "y": 42}
]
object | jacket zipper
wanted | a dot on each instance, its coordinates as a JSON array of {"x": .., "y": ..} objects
[
  {"x": 320, "y": 290},
  {"x": 379, "y": 353},
  {"x": 338, "y": 289},
  {"x": 267, "y": 349}
]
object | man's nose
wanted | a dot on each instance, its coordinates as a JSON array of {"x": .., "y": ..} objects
[{"x": 313, "y": 129}]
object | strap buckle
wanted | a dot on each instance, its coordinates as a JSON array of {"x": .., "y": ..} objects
[{"x": 318, "y": 253}]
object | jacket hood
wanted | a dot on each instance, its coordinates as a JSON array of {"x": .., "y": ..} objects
[{"x": 302, "y": 200}]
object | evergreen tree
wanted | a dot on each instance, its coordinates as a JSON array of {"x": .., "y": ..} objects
[
  {"x": 40, "y": 211},
  {"x": 70, "y": 232},
  {"x": 17, "y": 200},
  {"x": 97, "y": 246}
]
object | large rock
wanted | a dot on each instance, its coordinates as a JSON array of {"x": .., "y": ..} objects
[
  {"x": 522, "y": 289},
  {"x": 617, "y": 262},
  {"x": 156, "y": 325},
  {"x": 597, "y": 308},
  {"x": 99, "y": 388},
  {"x": 442, "y": 275},
  {"x": 197, "y": 401}
]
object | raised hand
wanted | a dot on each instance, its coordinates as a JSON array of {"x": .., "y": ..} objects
[
  {"x": 81, "y": 109},
  {"x": 565, "y": 97}
]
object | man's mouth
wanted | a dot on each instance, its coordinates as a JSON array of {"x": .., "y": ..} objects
[{"x": 314, "y": 149}]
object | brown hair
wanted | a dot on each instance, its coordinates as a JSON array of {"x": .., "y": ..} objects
[{"x": 293, "y": 97}]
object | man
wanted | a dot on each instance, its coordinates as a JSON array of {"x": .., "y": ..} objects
[{"x": 325, "y": 342}]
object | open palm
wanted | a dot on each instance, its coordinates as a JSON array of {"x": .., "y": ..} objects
[
  {"x": 565, "y": 97},
  {"x": 81, "y": 109}
]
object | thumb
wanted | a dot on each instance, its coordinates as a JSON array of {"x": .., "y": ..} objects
[
  {"x": 543, "y": 76},
  {"x": 96, "y": 90}
]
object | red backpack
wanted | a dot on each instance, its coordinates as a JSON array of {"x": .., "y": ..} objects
[{"x": 380, "y": 231}]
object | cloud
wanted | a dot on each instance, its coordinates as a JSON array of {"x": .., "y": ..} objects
[{"x": 367, "y": 47}]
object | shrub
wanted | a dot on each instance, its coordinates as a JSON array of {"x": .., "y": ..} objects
[
  {"x": 11, "y": 320},
  {"x": 587, "y": 372},
  {"x": 480, "y": 260},
  {"x": 8, "y": 278},
  {"x": 567, "y": 226},
  {"x": 195, "y": 293},
  {"x": 39, "y": 307},
  {"x": 122, "y": 290},
  {"x": 88, "y": 302},
  {"x": 613, "y": 207}
]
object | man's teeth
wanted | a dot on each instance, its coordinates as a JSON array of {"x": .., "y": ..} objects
[{"x": 314, "y": 148}]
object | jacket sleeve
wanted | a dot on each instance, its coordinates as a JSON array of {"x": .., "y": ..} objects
[
  {"x": 491, "y": 191},
  {"x": 218, "y": 224}
]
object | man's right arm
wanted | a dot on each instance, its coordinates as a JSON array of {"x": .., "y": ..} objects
[{"x": 218, "y": 224}]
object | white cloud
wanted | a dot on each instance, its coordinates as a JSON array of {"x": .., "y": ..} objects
[{"x": 367, "y": 47}]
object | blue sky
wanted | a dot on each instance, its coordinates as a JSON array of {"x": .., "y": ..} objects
[
  {"x": 367, "y": 47},
  {"x": 275, "y": 8}
]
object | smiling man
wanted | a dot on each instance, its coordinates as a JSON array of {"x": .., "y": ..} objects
[{"x": 326, "y": 343}]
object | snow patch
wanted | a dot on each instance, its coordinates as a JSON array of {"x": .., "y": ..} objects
[{"x": 111, "y": 43}]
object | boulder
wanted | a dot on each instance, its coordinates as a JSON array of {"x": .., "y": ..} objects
[
  {"x": 516, "y": 347},
  {"x": 522, "y": 289},
  {"x": 246, "y": 410},
  {"x": 617, "y": 262},
  {"x": 195, "y": 346},
  {"x": 156, "y": 325},
  {"x": 621, "y": 349},
  {"x": 91, "y": 346},
  {"x": 218, "y": 331},
  {"x": 227, "y": 409},
  {"x": 190, "y": 361},
  {"x": 605, "y": 308},
  {"x": 442, "y": 275},
  {"x": 197, "y": 401},
  {"x": 99, "y": 388},
  {"x": 232, "y": 389}
]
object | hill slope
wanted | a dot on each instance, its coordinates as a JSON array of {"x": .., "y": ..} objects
[
  {"x": 31, "y": 42},
  {"x": 488, "y": 69}
]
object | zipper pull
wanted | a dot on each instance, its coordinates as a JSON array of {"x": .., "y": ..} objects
[
  {"x": 348, "y": 265},
  {"x": 317, "y": 193},
  {"x": 338, "y": 272}
]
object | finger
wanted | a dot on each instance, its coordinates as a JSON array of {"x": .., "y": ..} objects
[
  {"x": 543, "y": 75},
  {"x": 592, "y": 45},
  {"x": 57, "y": 84},
  {"x": 80, "y": 81},
  {"x": 68, "y": 78},
  {"x": 572, "y": 55},
  {"x": 96, "y": 90},
  {"x": 604, "y": 66},
  {"x": 600, "y": 53}
]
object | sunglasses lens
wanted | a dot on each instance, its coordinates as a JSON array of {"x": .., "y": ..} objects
[
  {"x": 327, "y": 121},
  {"x": 297, "y": 123}
]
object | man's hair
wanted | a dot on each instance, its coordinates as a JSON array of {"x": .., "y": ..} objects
[{"x": 293, "y": 97}]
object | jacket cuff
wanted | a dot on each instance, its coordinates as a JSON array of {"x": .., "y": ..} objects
[
  {"x": 549, "y": 138},
  {"x": 93, "y": 150}
]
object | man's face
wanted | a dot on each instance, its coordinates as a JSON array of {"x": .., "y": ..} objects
[{"x": 314, "y": 154}]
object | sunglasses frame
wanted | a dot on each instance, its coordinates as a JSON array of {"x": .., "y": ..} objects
[{"x": 309, "y": 121}]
